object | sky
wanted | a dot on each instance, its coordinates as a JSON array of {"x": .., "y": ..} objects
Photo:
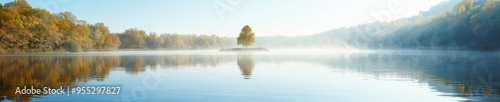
[{"x": 227, "y": 17}]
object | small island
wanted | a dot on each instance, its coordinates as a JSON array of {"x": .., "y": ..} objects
[
  {"x": 244, "y": 49},
  {"x": 246, "y": 38}
]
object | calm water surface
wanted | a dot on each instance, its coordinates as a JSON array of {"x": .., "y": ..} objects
[{"x": 302, "y": 76}]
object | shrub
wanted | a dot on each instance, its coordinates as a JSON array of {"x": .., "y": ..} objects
[{"x": 72, "y": 46}]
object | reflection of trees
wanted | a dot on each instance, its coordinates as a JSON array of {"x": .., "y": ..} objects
[
  {"x": 44, "y": 71},
  {"x": 136, "y": 64},
  {"x": 133, "y": 64},
  {"x": 54, "y": 71},
  {"x": 471, "y": 75},
  {"x": 459, "y": 71},
  {"x": 246, "y": 64}
]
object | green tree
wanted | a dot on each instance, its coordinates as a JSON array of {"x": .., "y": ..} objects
[
  {"x": 153, "y": 41},
  {"x": 246, "y": 37}
]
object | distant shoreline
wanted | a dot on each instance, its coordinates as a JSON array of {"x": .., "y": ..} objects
[{"x": 244, "y": 49}]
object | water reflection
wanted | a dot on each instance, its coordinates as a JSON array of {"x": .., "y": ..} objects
[
  {"x": 45, "y": 71},
  {"x": 55, "y": 71},
  {"x": 246, "y": 63},
  {"x": 137, "y": 64},
  {"x": 470, "y": 75}
]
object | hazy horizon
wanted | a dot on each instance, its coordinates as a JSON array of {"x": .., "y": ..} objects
[{"x": 268, "y": 18}]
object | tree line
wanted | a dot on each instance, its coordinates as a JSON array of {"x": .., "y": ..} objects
[
  {"x": 137, "y": 39},
  {"x": 24, "y": 29},
  {"x": 471, "y": 25}
]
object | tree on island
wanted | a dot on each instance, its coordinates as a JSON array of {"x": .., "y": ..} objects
[{"x": 246, "y": 37}]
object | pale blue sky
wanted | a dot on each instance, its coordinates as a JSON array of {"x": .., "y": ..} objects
[{"x": 266, "y": 17}]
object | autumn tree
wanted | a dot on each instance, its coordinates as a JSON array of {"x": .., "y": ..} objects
[
  {"x": 65, "y": 23},
  {"x": 82, "y": 34},
  {"x": 18, "y": 4},
  {"x": 246, "y": 37},
  {"x": 25, "y": 29},
  {"x": 133, "y": 38},
  {"x": 111, "y": 41},
  {"x": 99, "y": 31}
]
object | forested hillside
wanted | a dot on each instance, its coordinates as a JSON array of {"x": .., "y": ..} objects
[
  {"x": 469, "y": 25},
  {"x": 24, "y": 29},
  {"x": 474, "y": 24}
]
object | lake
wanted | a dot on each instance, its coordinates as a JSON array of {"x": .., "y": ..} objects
[{"x": 277, "y": 75}]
